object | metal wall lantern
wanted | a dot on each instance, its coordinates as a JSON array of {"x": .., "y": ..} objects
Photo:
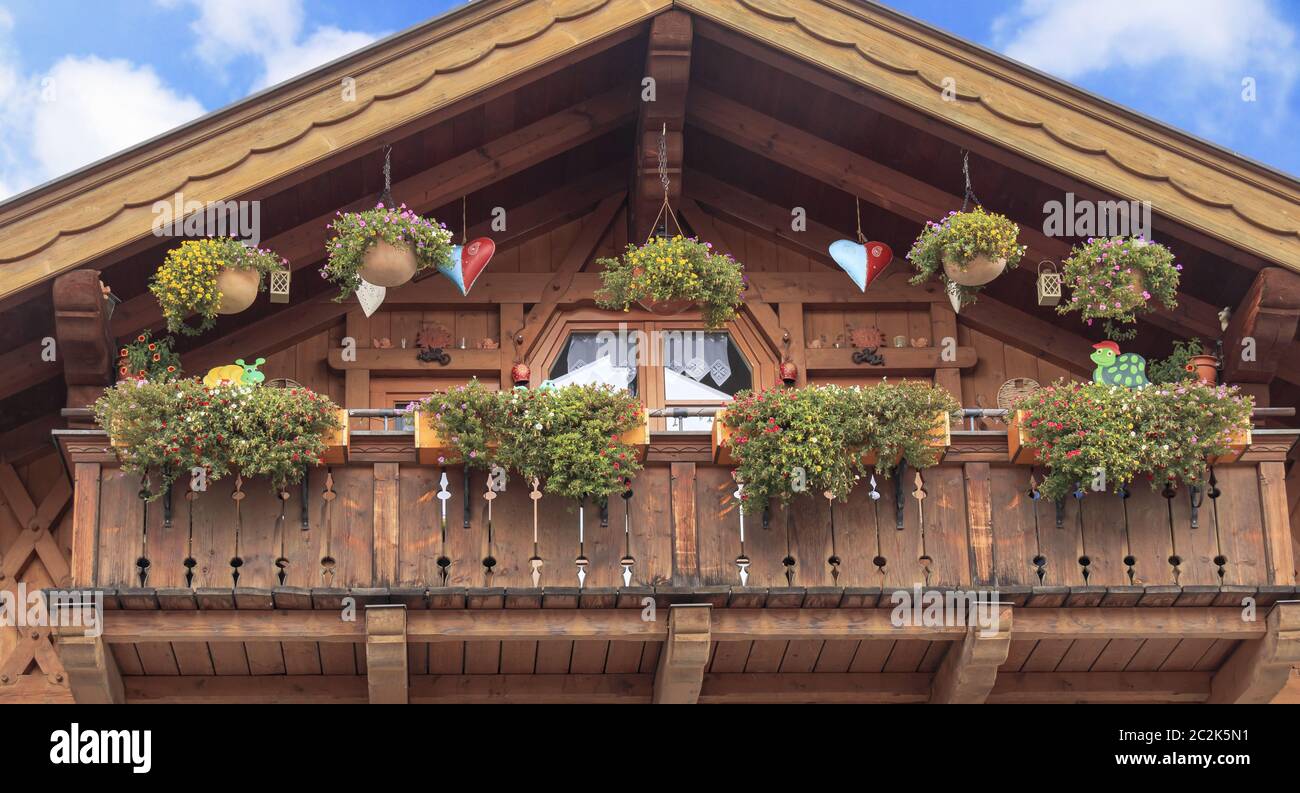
[
  {"x": 1049, "y": 284},
  {"x": 280, "y": 286}
]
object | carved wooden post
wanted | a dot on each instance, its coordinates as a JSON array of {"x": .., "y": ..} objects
[
  {"x": 85, "y": 344},
  {"x": 386, "y": 662},
  {"x": 1258, "y": 669},
  {"x": 970, "y": 668}
]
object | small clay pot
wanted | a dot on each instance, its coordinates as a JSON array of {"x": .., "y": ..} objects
[{"x": 1205, "y": 367}]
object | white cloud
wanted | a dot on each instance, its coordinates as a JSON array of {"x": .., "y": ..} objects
[
  {"x": 96, "y": 107},
  {"x": 1183, "y": 61},
  {"x": 1070, "y": 38},
  {"x": 322, "y": 46},
  {"x": 271, "y": 31}
]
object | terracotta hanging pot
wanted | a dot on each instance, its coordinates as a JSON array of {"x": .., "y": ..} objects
[
  {"x": 388, "y": 265},
  {"x": 666, "y": 308},
  {"x": 978, "y": 271},
  {"x": 238, "y": 289},
  {"x": 1205, "y": 367}
]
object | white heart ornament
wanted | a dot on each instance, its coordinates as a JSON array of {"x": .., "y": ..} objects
[
  {"x": 954, "y": 297},
  {"x": 370, "y": 297}
]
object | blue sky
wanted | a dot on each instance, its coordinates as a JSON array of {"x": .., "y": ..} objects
[{"x": 81, "y": 79}]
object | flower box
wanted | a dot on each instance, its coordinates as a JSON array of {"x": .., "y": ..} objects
[
  {"x": 940, "y": 438},
  {"x": 336, "y": 441},
  {"x": 1237, "y": 446},
  {"x": 430, "y": 445},
  {"x": 722, "y": 441},
  {"x": 1016, "y": 451},
  {"x": 639, "y": 436}
]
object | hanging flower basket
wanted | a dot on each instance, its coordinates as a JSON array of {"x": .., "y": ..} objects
[
  {"x": 966, "y": 250},
  {"x": 668, "y": 275},
  {"x": 385, "y": 246},
  {"x": 209, "y": 277},
  {"x": 1116, "y": 278}
]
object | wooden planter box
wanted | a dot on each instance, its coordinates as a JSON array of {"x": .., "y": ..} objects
[
  {"x": 1016, "y": 452},
  {"x": 336, "y": 442},
  {"x": 940, "y": 437},
  {"x": 1236, "y": 447},
  {"x": 639, "y": 437},
  {"x": 429, "y": 445},
  {"x": 1024, "y": 455}
]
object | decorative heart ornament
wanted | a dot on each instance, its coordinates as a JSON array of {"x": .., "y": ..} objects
[
  {"x": 862, "y": 262},
  {"x": 954, "y": 297},
  {"x": 370, "y": 297},
  {"x": 468, "y": 263}
]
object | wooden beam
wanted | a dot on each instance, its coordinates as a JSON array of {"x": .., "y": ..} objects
[
  {"x": 684, "y": 656},
  {"x": 1263, "y": 325},
  {"x": 791, "y": 624},
  {"x": 85, "y": 523},
  {"x": 580, "y": 251},
  {"x": 970, "y": 668},
  {"x": 387, "y": 530},
  {"x": 1258, "y": 669},
  {"x": 1278, "y": 548},
  {"x": 93, "y": 676},
  {"x": 668, "y": 63},
  {"x": 386, "y": 655},
  {"x": 81, "y": 328},
  {"x": 898, "y": 360},
  {"x": 686, "y": 559},
  {"x": 1099, "y": 687},
  {"x": 979, "y": 523},
  {"x": 1135, "y": 623}
]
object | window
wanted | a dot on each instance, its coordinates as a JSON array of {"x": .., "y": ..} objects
[
  {"x": 682, "y": 366},
  {"x": 606, "y": 357}
]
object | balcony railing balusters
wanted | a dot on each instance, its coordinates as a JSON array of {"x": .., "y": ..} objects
[
  {"x": 190, "y": 563},
  {"x": 1174, "y": 559},
  {"x": 444, "y": 561},
  {"x": 742, "y": 561},
  {"x": 581, "y": 561},
  {"x": 237, "y": 561},
  {"x": 489, "y": 558},
  {"x": 1213, "y": 492},
  {"x": 834, "y": 560},
  {"x": 628, "y": 561},
  {"x": 327, "y": 562},
  {"x": 1039, "y": 561},
  {"x": 142, "y": 562}
]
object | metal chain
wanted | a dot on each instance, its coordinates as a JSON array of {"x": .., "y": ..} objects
[
  {"x": 965, "y": 172},
  {"x": 663, "y": 159},
  {"x": 388, "y": 169}
]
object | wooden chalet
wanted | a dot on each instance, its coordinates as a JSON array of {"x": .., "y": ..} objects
[{"x": 771, "y": 110}]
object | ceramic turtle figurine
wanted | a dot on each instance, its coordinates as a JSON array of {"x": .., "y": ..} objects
[{"x": 1127, "y": 370}]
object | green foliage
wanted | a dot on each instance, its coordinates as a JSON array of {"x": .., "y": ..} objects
[
  {"x": 1178, "y": 366},
  {"x": 355, "y": 232},
  {"x": 147, "y": 358},
  {"x": 674, "y": 269},
  {"x": 817, "y": 436},
  {"x": 166, "y": 429},
  {"x": 186, "y": 283},
  {"x": 1082, "y": 429},
  {"x": 961, "y": 236},
  {"x": 569, "y": 438},
  {"x": 1115, "y": 278}
]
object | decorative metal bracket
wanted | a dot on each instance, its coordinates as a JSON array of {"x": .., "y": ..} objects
[
  {"x": 433, "y": 355},
  {"x": 167, "y": 508},
  {"x": 306, "y": 512},
  {"x": 868, "y": 356},
  {"x": 468, "y": 508},
  {"x": 1196, "y": 496},
  {"x": 1060, "y": 512},
  {"x": 899, "y": 501}
]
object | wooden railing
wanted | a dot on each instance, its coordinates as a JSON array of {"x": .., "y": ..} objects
[{"x": 377, "y": 521}]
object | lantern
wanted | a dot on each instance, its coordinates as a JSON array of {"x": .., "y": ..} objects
[
  {"x": 1049, "y": 284},
  {"x": 280, "y": 286}
]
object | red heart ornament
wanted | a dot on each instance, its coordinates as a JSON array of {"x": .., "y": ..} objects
[
  {"x": 474, "y": 259},
  {"x": 879, "y": 255}
]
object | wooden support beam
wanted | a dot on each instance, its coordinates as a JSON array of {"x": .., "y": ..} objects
[
  {"x": 668, "y": 63},
  {"x": 1099, "y": 687},
  {"x": 970, "y": 668},
  {"x": 386, "y": 656},
  {"x": 386, "y": 524},
  {"x": 81, "y": 328},
  {"x": 979, "y": 523},
  {"x": 1258, "y": 669},
  {"x": 93, "y": 676},
  {"x": 85, "y": 524},
  {"x": 580, "y": 252},
  {"x": 684, "y": 655},
  {"x": 1263, "y": 328}
]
